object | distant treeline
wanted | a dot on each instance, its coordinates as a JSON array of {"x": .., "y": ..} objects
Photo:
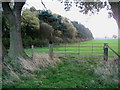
[{"x": 39, "y": 27}]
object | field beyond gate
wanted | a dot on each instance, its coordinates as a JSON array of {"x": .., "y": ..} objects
[
  {"x": 80, "y": 50},
  {"x": 89, "y": 50},
  {"x": 92, "y": 50}
]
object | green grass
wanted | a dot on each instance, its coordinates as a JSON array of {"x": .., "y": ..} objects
[
  {"x": 95, "y": 52},
  {"x": 68, "y": 74},
  {"x": 71, "y": 73},
  {"x": 37, "y": 50}
]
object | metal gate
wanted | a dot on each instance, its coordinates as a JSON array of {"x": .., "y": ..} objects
[{"x": 88, "y": 51}]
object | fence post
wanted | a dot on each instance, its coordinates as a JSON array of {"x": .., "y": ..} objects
[
  {"x": 51, "y": 50},
  {"x": 65, "y": 50},
  {"x": 106, "y": 51},
  {"x": 92, "y": 49},
  {"x": 32, "y": 51}
]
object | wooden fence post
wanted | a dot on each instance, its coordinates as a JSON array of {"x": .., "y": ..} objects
[
  {"x": 106, "y": 51},
  {"x": 65, "y": 50},
  {"x": 51, "y": 50},
  {"x": 32, "y": 51}
]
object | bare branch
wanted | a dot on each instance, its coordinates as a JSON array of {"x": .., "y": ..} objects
[{"x": 43, "y": 4}]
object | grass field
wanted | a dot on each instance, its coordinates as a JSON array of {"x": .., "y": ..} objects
[
  {"x": 82, "y": 51},
  {"x": 71, "y": 74}
]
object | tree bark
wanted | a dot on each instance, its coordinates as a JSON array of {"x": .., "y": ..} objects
[
  {"x": 0, "y": 36},
  {"x": 14, "y": 16},
  {"x": 1, "y": 56},
  {"x": 116, "y": 14},
  {"x": 115, "y": 6},
  {"x": 4, "y": 52}
]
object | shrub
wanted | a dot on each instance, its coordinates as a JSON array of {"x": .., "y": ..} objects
[
  {"x": 40, "y": 43},
  {"x": 27, "y": 42},
  {"x": 46, "y": 30},
  {"x": 58, "y": 40},
  {"x": 57, "y": 33}
]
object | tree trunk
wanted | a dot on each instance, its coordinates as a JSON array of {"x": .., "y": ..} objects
[
  {"x": 14, "y": 17},
  {"x": 1, "y": 44},
  {"x": 116, "y": 14},
  {"x": 4, "y": 52},
  {"x": 0, "y": 33},
  {"x": 16, "y": 47}
]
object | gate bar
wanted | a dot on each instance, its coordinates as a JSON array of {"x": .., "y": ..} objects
[{"x": 114, "y": 51}]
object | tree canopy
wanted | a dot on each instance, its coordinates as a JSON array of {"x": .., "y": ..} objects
[{"x": 12, "y": 14}]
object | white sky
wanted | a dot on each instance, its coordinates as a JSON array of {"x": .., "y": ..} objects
[{"x": 99, "y": 24}]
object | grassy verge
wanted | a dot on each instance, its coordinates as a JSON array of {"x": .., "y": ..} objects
[{"x": 69, "y": 74}]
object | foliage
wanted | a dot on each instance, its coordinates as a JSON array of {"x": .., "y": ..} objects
[
  {"x": 49, "y": 18},
  {"x": 63, "y": 28},
  {"x": 32, "y": 9},
  {"x": 46, "y": 30},
  {"x": 40, "y": 43},
  {"x": 86, "y": 6},
  {"x": 83, "y": 32},
  {"x": 38, "y": 25},
  {"x": 57, "y": 33},
  {"x": 27, "y": 42},
  {"x": 58, "y": 40},
  {"x": 71, "y": 31},
  {"x": 30, "y": 23},
  {"x": 114, "y": 36}
]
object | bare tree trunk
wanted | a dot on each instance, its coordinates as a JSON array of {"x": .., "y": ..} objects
[
  {"x": 16, "y": 46},
  {"x": 0, "y": 35},
  {"x": 4, "y": 52},
  {"x": 115, "y": 6},
  {"x": 14, "y": 17}
]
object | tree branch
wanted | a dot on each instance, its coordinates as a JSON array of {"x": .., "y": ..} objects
[{"x": 43, "y": 4}]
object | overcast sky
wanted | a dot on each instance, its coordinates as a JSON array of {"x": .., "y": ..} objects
[{"x": 99, "y": 24}]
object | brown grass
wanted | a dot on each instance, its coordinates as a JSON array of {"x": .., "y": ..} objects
[
  {"x": 39, "y": 60},
  {"x": 108, "y": 71}
]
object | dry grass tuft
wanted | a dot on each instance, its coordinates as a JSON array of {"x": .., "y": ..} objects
[
  {"x": 108, "y": 71},
  {"x": 38, "y": 61}
]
